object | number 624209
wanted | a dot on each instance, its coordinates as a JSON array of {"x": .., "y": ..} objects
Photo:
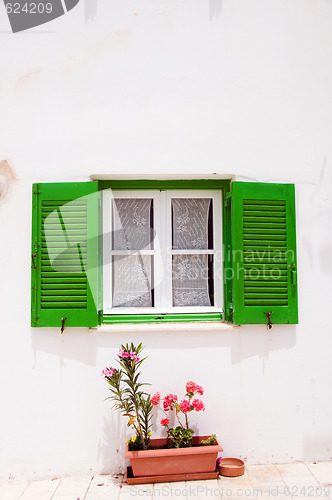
[{"x": 29, "y": 8}]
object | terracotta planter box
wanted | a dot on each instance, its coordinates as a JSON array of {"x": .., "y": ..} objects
[{"x": 166, "y": 461}]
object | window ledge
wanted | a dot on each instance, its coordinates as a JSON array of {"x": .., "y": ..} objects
[{"x": 198, "y": 326}]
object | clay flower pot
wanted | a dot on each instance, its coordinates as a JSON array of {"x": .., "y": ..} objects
[{"x": 174, "y": 461}]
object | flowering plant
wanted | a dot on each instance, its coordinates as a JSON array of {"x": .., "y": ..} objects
[
  {"x": 128, "y": 396},
  {"x": 137, "y": 405},
  {"x": 181, "y": 436}
]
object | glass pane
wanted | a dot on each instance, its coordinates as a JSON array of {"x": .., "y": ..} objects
[
  {"x": 132, "y": 224},
  {"x": 132, "y": 281},
  {"x": 192, "y": 223},
  {"x": 192, "y": 284}
]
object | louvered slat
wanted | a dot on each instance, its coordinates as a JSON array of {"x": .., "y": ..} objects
[
  {"x": 63, "y": 256},
  {"x": 64, "y": 274},
  {"x": 264, "y": 253},
  {"x": 265, "y": 272}
]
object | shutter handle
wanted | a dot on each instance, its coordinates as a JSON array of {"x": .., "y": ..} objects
[{"x": 293, "y": 274}]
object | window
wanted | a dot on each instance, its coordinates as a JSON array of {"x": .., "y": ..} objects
[
  {"x": 162, "y": 252},
  {"x": 150, "y": 251}
]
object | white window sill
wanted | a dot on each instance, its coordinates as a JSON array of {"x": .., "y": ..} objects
[{"x": 199, "y": 326}]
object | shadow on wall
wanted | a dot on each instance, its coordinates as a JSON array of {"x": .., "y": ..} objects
[
  {"x": 317, "y": 448},
  {"x": 91, "y": 7},
  {"x": 112, "y": 441},
  {"x": 322, "y": 198},
  {"x": 316, "y": 205},
  {"x": 243, "y": 342},
  {"x": 215, "y": 8},
  {"x": 211, "y": 348}
]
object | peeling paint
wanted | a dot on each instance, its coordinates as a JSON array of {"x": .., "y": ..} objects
[
  {"x": 28, "y": 75},
  {"x": 7, "y": 180},
  {"x": 114, "y": 41}
]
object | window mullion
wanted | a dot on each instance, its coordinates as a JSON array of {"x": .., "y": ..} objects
[
  {"x": 167, "y": 303},
  {"x": 217, "y": 245},
  {"x": 158, "y": 245}
]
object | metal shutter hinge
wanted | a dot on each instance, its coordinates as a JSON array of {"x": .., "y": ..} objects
[
  {"x": 228, "y": 198},
  {"x": 230, "y": 310},
  {"x": 33, "y": 256}
]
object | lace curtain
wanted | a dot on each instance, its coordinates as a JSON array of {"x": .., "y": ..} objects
[
  {"x": 132, "y": 225},
  {"x": 132, "y": 281},
  {"x": 132, "y": 274},
  {"x": 190, "y": 221}
]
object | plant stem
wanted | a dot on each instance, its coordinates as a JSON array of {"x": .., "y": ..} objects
[
  {"x": 177, "y": 416},
  {"x": 186, "y": 414},
  {"x": 139, "y": 427},
  {"x": 137, "y": 412}
]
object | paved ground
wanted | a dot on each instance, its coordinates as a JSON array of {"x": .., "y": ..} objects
[{"x": 282, "y": 481}]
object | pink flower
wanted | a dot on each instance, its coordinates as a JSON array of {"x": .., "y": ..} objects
[
  {"x": 108, "y": 372},
  {"x": 185, "y": 406},
  {"x": 155, "y": 399},
  {"x": 198, "y": 405},
  {"x": 169, "y": 400},
  {"x": 164, "y": 421},
  {"x": 167, "y": 405},
  {"x": 191, "y": 387},
  {"x": 131, "y": 355}
]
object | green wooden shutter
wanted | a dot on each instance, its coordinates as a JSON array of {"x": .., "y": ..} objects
[
  {"x": 264, "y": 253},
  {"x": 64, "y": 254}
]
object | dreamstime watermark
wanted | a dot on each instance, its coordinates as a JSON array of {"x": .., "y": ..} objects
[{"x": 26, "y": 14}]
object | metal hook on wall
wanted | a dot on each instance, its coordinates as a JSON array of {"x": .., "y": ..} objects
[
  {"x": 268, "y": 315},
  {"x": 63, "y": 320}
]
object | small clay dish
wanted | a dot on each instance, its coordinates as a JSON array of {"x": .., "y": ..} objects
[{"x": 231, "y": 467}]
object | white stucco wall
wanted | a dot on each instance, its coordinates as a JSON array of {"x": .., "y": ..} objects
[{"x": 238, "y": 87}]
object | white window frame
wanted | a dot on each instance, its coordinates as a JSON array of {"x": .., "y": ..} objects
[{"x": 162, "y": 251}]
